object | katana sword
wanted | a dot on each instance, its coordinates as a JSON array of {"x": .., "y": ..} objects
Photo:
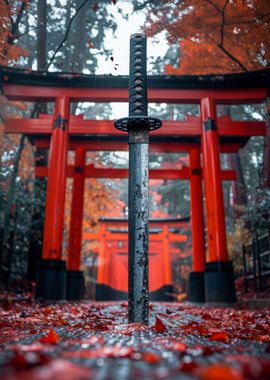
[{"x": 138, "y": 125}]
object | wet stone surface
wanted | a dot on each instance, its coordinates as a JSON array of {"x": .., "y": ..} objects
[{"x": 93, "y": 341}]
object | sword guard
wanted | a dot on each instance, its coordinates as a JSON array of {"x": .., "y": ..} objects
[{"x": 133, "y": 123}]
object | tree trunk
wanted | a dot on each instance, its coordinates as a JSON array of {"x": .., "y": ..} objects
[
  {"x": 5, "y": 262},
  {"x": 79, "y": 42},
  {"x": 36, "y": 234},
  {"x": 67, "y": 48},
  {"x": 234, "y": 161},
  {"x": 266, "y": 153},
  {"x": 42, "y": 35},
  {"x": 41, "y": 159}
]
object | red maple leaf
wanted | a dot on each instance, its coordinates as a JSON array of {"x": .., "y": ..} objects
[
  {"x": 159, "y": 326},
  {"x": 220, "y": 336},
  {"x": 51, "y": 337},
  {"x": 151, "y": 357}
]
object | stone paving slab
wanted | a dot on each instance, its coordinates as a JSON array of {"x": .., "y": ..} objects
[{"x": 90, "y": 340}]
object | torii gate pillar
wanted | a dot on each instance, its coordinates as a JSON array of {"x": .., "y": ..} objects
[
  {"x": 75, "y": 279},
  {"x": 167, "y": 287},
  {"x": 51, "y": 272},
  {"x": 219, "y": 277},
  {"x": 101, "y": 285},
  {"x": 196, "y": 277}
]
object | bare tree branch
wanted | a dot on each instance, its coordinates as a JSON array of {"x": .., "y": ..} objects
[
  {"x": 222, "y": 26},
  {"x": 223, "y": 23},
  {"x": 214, "y": 5},
  {"x": 225, "y": 51},
  {"x": 251, "y": 21},
  {"x": 15, "y": 25},
  {"x": 30, "y": 30},
  {"x": 66, "y": 34}
]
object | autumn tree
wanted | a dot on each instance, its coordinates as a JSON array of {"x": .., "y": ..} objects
[
  {"x": 10, "y": 19},
  {"x": 215, "y": 36}
]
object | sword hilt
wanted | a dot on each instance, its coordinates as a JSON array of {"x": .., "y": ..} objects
[
  {"x": 138, "y": 115},
  {"x": 137, "y": 76}
]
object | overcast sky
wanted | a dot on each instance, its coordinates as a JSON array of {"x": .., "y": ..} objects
[{"x": 119, "y": 41}]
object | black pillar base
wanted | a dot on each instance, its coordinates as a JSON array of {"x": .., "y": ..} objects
[
  {"x": 196, "y": 291},
  {"x": 75, "y": 285},
  {"x": 107, "y": 293},
  {"x": 219, "y": 282},
  {"x": 51, "y": 280},
  {"x": 102, "y": 292},
  {"x": 165, "y": 293}
]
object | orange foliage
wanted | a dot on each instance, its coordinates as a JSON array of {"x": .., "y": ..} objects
[
  {"x": 99, "y": 202},
  {"x": 216, "y": 36},
  {"x": 10, "y": 51}
]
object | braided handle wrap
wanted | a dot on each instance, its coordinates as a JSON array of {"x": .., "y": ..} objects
[{"x": 138, "y": 76}]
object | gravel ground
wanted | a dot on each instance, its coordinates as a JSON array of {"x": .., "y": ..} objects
[{"x": 89, "y": 340}]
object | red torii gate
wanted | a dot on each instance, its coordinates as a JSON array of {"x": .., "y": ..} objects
[
  {"x": 80, "y": 171},
  {"x": 112, "y": 275},
  {"x": 207, "y": 91}
]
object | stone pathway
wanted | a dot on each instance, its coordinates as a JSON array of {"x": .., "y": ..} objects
[{"x": 77, "y": 341}]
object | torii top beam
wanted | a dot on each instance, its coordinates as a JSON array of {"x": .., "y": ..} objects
[{"x": 251, "y": 87}]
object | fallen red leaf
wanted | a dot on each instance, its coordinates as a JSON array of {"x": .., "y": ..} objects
[
  {"x": 51, "y": 337},
  {"x": 262, "y": 338},
  {"x": 159, "y": 326},
  {"x": 219, "y": 372},
  {"x": 220, "y": 336},
  {"x": 188, "y": 365},
  {"x": 27, "y": 360},
  {"x": 103, "y": 352},
  {"x": 180, "y": 347},
  {"x": 203, "y": 330},
  {"x": 151, "y": 357}
]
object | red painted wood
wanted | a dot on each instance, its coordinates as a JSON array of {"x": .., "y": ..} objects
[
  {"x": 155, "y": 147},
  {"x": 76, "y": 220},
  {"x": 173, "y": 174},
  {"x": 191, "y": 126},
  {"x": 113, "y": 258},
  {"x": 124, "y": 236},
  {"x": 197, "y": 217},
  {"x": 183, "y": 96},
  {"x": 166, "y": 255},
  {"x": 102, "y": 257},
  {"x": 215, "y": 214},
  {"x": 55, "y": 200}
]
